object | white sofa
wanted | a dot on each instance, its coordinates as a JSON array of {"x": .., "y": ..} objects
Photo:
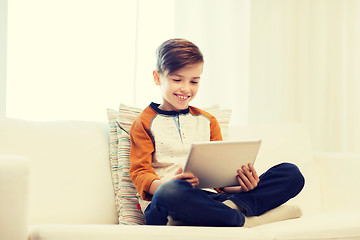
[{"x": 55, "y": 184}]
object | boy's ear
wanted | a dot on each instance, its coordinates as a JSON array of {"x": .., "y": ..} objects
[{"x": 156, "y": 76}]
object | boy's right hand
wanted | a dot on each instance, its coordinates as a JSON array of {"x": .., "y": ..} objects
[{"x": 187, "y": 176}]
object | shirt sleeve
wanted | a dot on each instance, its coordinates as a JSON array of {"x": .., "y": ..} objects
[
  {"x": 142, "y": 148},
  {"x": 215, "y": 131}
]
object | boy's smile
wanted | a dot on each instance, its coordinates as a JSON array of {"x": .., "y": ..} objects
[
  {"x": 181, "y": 97},
  {"x": 178, "y": 88}
]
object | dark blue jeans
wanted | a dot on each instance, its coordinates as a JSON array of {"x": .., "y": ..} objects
[{"x": 195, "y": 207}]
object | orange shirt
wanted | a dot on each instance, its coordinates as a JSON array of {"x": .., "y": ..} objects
[{"x": 161, "y": 140}]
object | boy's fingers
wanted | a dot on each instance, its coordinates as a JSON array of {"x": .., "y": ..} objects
[
  {"x": 254, "y": 173},
  {"x": 242, "y": 184},
  {"x": 195, "y": 182},
  {"x": 250, "y": 177},
  {"x": 188, "y": 175},
  {"x": 247, "y": 179},
  {"x": 179, "y": 171}
]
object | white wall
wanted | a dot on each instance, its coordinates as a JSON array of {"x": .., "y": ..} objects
[
  {"x": 75, "y": 58},
  {"x": 70, "y": 59},
  {"x": 221, "y": 29},
  {"x": 3, "y": 51}
]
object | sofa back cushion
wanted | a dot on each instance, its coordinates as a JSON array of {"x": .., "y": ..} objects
[
  {"x": 288, "y": 142},
  {"x": 70, "y": 180},
  {"x": 340, "y": 181}
]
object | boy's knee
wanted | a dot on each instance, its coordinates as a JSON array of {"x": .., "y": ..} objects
[
  {"x": 294, "y": 175},
  {"x": 172, "y": 190}
]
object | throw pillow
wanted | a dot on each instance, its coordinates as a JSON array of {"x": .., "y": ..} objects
[
  {"x": 125, "y": 193},
  {"x": 113, "y": 150}
]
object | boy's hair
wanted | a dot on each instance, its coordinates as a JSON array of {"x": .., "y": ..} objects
[{"x": 175, "y": 54}]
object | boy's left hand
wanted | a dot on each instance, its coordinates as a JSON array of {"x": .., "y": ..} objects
[{"x": 247, "y": 178}]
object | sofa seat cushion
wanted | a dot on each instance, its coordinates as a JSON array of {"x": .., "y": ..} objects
[
  {"x": 334, "y": 225},
  {"x": 116, "y": 232}
]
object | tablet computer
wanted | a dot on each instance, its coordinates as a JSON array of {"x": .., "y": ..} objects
[{"x": 215, "y": 163}]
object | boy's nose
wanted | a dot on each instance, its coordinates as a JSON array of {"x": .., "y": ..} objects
[{"x": 185, "y": 88}]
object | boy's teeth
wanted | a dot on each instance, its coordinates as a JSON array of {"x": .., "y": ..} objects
[{"x": 182, "y": 97}]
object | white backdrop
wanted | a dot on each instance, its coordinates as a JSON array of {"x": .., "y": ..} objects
[
  {"x": 73, "y": 59},
  {"x": 269, "y": 61},
  {"x": 3, "y": 54},
  {"x": 305, "y": 58},
  {"x": 69, "y": 59}
]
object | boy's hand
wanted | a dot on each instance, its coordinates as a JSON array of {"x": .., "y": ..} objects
[
  {"x": 187, "y": 176},
  {"x": 247, "y": 178}
]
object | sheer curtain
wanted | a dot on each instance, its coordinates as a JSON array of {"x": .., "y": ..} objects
[{"x": 304, "y": 67}]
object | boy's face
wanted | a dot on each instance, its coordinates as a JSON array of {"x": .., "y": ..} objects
[{"x": 179, "y": 87}]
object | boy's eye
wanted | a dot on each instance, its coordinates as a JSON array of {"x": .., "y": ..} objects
[
  {"x": 176, "y": 80},
  {"x": 194, "y": 82}
]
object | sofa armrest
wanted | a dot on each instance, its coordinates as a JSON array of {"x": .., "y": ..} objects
[
  {"x": 340, "y": 180},
  {"x": 14, "y": 192}
]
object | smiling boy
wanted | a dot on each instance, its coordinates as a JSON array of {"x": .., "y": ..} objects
[
  {"x": 160, "y": 141},
  {"x": 180, "y": 87}
]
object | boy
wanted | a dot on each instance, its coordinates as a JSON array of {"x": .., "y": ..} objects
[{"x": 160, "y": 141}]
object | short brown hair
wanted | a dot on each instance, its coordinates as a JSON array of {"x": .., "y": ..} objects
[{"x": 177, "y": 53}]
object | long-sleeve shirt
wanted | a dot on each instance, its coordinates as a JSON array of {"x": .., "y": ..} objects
[{"x": 160, "y": 143}]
